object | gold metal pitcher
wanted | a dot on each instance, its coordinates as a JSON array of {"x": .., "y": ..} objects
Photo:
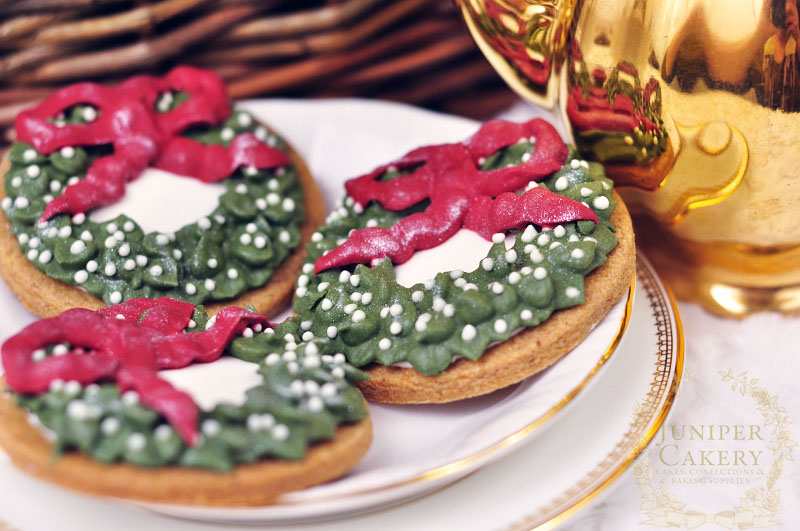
[{"x": 694, "y": 107}]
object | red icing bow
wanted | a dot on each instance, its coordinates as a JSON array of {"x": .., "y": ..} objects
[
  {"x": 126, "y": 351},
  {"x": 141, "y": 137},
  {"x": 460, "y": 194}
]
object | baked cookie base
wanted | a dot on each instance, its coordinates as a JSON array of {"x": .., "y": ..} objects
[
  {"x": 248, "y": 485},
  {"x": 47, "y": 297},
  {"x": 524, "y": 354}
]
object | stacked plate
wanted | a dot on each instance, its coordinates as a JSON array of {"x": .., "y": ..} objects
[{"x": 561, "y": 437}]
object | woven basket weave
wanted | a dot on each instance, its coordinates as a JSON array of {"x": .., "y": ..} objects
[{"x": 415, "y": 51}]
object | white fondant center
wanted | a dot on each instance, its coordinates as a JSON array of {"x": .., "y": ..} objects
[
  {"x": 223, "y": 381},
  {"x": 464, "y": 250},
  {"x": 161, "y": 201}
]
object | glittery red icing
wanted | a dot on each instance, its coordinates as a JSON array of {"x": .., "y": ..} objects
[
  {"x": 141, "y": 137},
  {"x": 106, "y": 347},
  {"x": 460, "y": 194}
]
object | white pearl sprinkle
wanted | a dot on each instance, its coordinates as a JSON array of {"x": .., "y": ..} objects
[
  {"x": 135, "y": 442},
  {"x": 86, "y": 236},
  {"x": 511, "y": 256},
  {"x": 244, "y": 119},
  {"x": 280, "y": 432},
  {"x": 209, "y": 284},
  {"x": 468, "y": 333},
  {"x": 395, "y": 328},
  {"x": 543, "y": 239},
  {"x": 233, "y": 274},
  {"x": 141, "y": 260},
  {"x": 288, "y": 204},
  {"x": 226, "y": 134},
  {"x": 562, "y": 183},
  {"x": 572, "y": 292},
  {"x": 332, "y": 331},
  {"x": 539, "y": 273},
  {"x": 514, "y": 277},
  {"x": 498, "y": 237},
  {"x": 487, "y": 264},
  {"x": 21, "y": 202},
  {"x": 110, "y": 269},
  {"x": 190, "y": 288},
  {"x": 60, "y": 350},
  {"x": 110, "y": 426},
  {"x": 323, "y": 286},
  {"x": 417, "y": 296},
  {"x": 81, "y": 276},
  {"x": 577, "y": 254},
  {"x": 284, "y": 236},
  {"x": 211, "y": 428},
  {"x": 559, "y": 231},
  {"x": 162, "y": 239},
  {"x": 586, "y": 192},
  {"x": 77, "y": 247},
  {"x": 91, "y": 266},
  {"x": 497, "y": 288},
  {"x": 115, "y": 297},
  {"x": 16, "y": 182},
  {"x": 359, "y": 316},
  {"x": 33, "y": 171},
  {"x": 500, "y": 326},
  {"x": 385, "y": 343},
  {"x": 326, "y": 304},
  {"x": 355, "y": 280},
  {"x": 526, "y": 315},
  {"x": 212, "y": 263},
  {"x": 601, "y": 202},
  {"x": 30, "y": 154},
  {"x": 124, "y": 249}
]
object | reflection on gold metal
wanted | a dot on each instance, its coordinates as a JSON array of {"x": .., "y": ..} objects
[
  {"x": 521, "y": 39},
  {"x": 695, "y": 106},
  {"x": 717, "y": 151}
]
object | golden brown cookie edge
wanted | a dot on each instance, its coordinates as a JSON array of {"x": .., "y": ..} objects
[{"x": 245, "y": 486}]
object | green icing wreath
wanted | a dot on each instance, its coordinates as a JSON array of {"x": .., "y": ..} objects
[
  {"x": 234, "y": 249},
  {"x": 367, "y": 315},
  {"x": 307, "y": 392}
]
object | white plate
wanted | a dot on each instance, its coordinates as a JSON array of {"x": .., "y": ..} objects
[
  {"x": 420, "y": 448},
  {"x": 550, "y": 477}
]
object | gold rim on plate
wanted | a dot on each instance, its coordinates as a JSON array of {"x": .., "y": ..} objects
[
  {"x": 647, "y": 421},
  {"x": 459, "y": 465}
]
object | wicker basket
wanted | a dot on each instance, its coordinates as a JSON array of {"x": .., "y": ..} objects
[{"x": 414, "y": 51}]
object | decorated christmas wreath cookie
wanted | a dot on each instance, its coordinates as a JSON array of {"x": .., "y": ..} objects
[
  {"x": 69, "y": 237},
  {"x": 100, "y": 401},
  {"x": 463, "y": 268}
]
